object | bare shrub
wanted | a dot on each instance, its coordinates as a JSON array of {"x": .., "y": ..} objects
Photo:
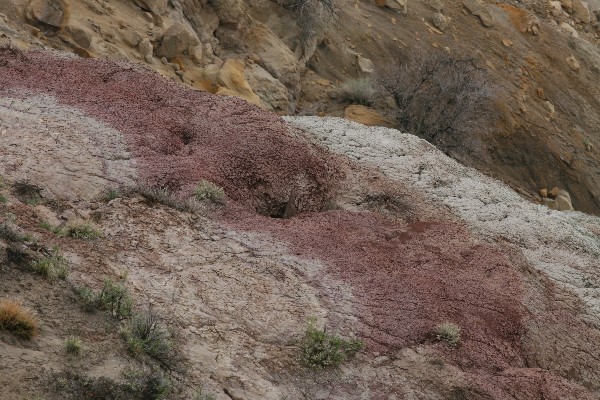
[
  {"x": 312, "y": 16},
  {"x": 358, "y": 91},
  {"x": 438, "y": 96},
  {"x": 161, "y": 195}
]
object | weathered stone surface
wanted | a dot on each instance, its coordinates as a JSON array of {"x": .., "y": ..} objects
[
  {"x": 51, "y": 12},
  {"x": 176, "y": 41},
  {"x": 158, "y": 7},
  {"x": 440, "y": 21},
  {"x": 80, "y": 35},
  {"x": 271, "y": 91},
  {"x": 365, "y": 115},
  {"x": 233, "y": 81}
]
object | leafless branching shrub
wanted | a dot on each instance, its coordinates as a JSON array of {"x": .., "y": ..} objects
[
  {"x": 438, "y": 96},
  {"x": 313, "y": 16},
  {"x": 358, "y": 91}
]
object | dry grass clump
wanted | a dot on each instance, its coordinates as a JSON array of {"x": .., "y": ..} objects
[{"x": 14, "y": 318}]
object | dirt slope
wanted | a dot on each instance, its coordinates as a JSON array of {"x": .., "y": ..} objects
[{"x": 391, "y": 238}]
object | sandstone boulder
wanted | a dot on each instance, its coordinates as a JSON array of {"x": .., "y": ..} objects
[
  {"x": 440, "y": 21},
  {"x": 233, "y": 82},
  {"x": 581, "y": 11},
  {"x": 480, "y": 11},
  {"x": 81, "y": 36},
  {"x": 176, "y": 41},
  {"x": 158, "y": 7},
  {"x": 275, "y": 56},
  {"x": 270, "y": 90},
  {"x": 365, "y": 115},
  {"x": 50, "y": 12},
  {"x": 563, "y": 201},
  {"x": 397, "y": 5}
]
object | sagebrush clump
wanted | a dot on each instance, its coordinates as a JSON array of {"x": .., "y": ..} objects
[
  {"x": 322, "y": 350},
  {"x": 115, "y": 299},
  {"x": 73, "y": 345},
  {"x": 208, "y": 191},
  {"x": 14, "y": 318},
  {"x": 83, "y": 230},
  {"x": 51, "y": 267},
  {"x": 449, "y": 333},
  {"x": 146, "y": 333}
]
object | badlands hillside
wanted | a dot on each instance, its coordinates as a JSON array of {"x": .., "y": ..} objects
[{"x": 185, "y": 214}]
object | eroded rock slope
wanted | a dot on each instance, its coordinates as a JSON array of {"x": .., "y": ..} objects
[{"x": 388, "y": 239}]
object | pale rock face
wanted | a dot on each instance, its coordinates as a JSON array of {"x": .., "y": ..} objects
[
  {"x": 51, "y": 12},
  {"x": 270, "y": 90},
  {"x": 80, "y": 35},
  {"x": 177, "y": 41},
  {"x": 581, "y": 11},
  {"x": 158, "y": 7},
  {"x": 276, "y": 57},
  {"x": 440, "y": 21},
  {"x": 365, "y": 65},
  {"x": 231, "y": 78},
  {"x": 92, "y": 157}
]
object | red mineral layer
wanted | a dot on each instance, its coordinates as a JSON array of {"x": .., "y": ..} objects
[{"x": 404, "y": 278}]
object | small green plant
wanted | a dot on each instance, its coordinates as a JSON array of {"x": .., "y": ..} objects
[
  {"x": 200, "y": 395},
  {"x": 111, "y": 195},
  {"x": 47, "y": 226},
  {"x": 145, "y": 333},
  {"x": 81, "y": 231},
  {"x": 358, "y": 91},
  {"x": 208, "y": 191},
  {"x": 448, "y": 333},
  {"x": 115, "y": 298},
  {"x": 322, "y": 350},
  {"x": 14, "y": 318},
  {"x": 147, "y": 384},
  {"x": 73, "y": 345},
  {"x": 51, "y": 267},
  {"x": 3, "y": 199},
  {"x": 88, "y": 298}
]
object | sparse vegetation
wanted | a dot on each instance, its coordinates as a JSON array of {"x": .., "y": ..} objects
[
  {"x": 111, "y": 195},
  {"x": 145, "y": 333},
  {"x": 47, "y": 226},
  {"x": 115, "y": 298},
  {"x": 51, "y": 267},
  {"x": 161, "y": 195},
  {"x": 448, "y": 333},
  {"x": 313, "y": 16},
  {"x": 200, "y": 395},
  {"x": 438, "y": 96},
  {"x": 88, "y": 298},
  {"x": 27, "y": 192},
  {"x": 208, "y": 191},
  {"x": 322, "y": 350},
  {"x": 14, "y": 318},
  {"x": 3, "y": 199},
  {"x": 141, "y": 384},
  {"x": 73, "y": 345},
  {"x": 358, "y": 91},
  {"x": 82, "y": 230},
  {"x": 148, "y": 384}
]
